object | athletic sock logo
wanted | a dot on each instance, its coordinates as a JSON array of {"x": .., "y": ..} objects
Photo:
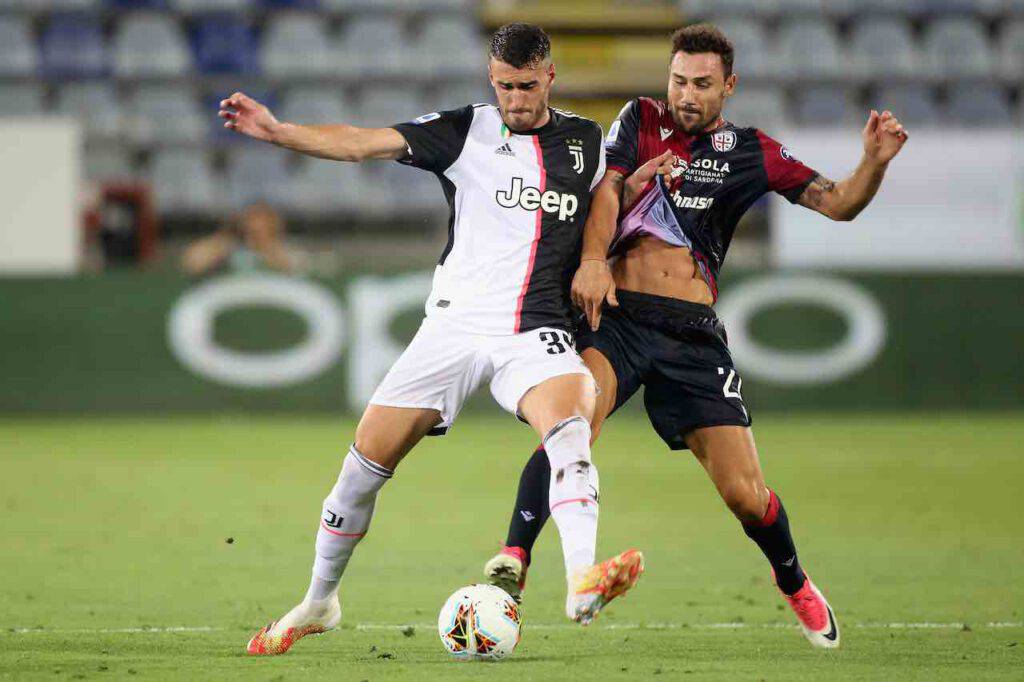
[
  {"x": 527, "y": 515},
  {"x": 332, "y": 520}
]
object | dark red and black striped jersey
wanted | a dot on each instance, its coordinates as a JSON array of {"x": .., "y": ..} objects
[
  {"x": 720, "y": 174},
  {"x": 518, "y": 205}
]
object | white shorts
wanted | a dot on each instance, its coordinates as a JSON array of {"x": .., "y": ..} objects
[{"x": 443, "y": 365}]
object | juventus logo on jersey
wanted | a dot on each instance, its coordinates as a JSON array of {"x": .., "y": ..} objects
[{"x": 576, "y": 150}]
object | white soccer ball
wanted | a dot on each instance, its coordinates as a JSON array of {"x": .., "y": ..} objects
[{"x": 479, "y": 623}]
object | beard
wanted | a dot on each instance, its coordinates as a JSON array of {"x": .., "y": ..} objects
[{"x": 694, "y": 123}]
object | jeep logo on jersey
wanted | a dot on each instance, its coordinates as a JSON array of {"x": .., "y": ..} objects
[
  {"x": 576, "y": 150},
  {"x": 531, "y": 198}
]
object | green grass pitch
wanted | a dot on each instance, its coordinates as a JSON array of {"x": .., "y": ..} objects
[{"x": 116, "y": 561}]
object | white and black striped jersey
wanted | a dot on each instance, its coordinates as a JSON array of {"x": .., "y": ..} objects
[{"x": 518, "y": 204}]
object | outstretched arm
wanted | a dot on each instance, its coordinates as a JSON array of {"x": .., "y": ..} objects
[
  {"x": 883, "y": 137},
  {"x": 336, "y": 142}
]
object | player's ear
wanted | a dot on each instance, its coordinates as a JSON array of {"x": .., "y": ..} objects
[
  {"x": 730, "y": 84},
  {"x": 551, "y": 73}
]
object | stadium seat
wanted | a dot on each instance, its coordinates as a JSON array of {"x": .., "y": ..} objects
[
  {"x": 957, "y": 47},
  {"x": 826, "y": 106},
  {"x": 319, "y": 104},
  {"x": 296, "y": 45},
  {"x": 836, "y": 9},
  {"x": 397, "y": 190},
  {"x": 21, "y": 99},
  {"x": 18, "y": 55},
  {"x": 455, "y": 95},
  {"x": 71, "y": 5},
  {"x": 290, "y": 4},
  {"x": 364, "y": 6},
  {"x": 939, "y": 7},
  {"x": 165, "y": 114},
  {"x": 754, "y": 55},
  {"x": 225, "y": 43},
  {"x": 321, "y": 187},
  {"x": 95, "y": 104},
  {"x": 883, "y": 46},
  {"x": 207, "y": 6},
  {"x": 809, "y": 47},
  {"x": 906, "y": 8},
  {"x": 450, "y": 46},
  {"x": 258, "y": 172},
  {"x": 107, "y": 163},
  {"x": 913, "y": 104},
  {"x": 1011, "y": 50},
  {"x": 714, "y": 9},
  {"x": 150, "y": 45},
  {"x": 372, "y": 46},
  {"x": 757, "y": 107},
  {"x": 387, "y": 106},
  {"x": 468, "y": 6},
  {"x": 73, "y": 45},
  {"x": 184, "y": 183},
  {"x": 974, "y": 105},
  {"x": 137, "y": 4}
]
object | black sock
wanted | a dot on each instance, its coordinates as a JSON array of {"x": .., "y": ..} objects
[
  {"x": 531, "y": 510},
  {"x": 772, "y": 536}
]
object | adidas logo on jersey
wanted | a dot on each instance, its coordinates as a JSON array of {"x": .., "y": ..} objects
[
  {"x": 531, "y": 198},
  {"x": 505, "y": 150}
]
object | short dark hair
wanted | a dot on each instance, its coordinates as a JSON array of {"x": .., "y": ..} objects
[
  {"x": 520, "y": 45},
  {"x": 698, "y": 38}
]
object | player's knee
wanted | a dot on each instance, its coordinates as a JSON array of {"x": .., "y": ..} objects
[
  {"x": 377, "y": 449},
  {"x": 568, "y": 441},
  {"x": 573, "y": 475},
  {"x": 744, "y": 502}
]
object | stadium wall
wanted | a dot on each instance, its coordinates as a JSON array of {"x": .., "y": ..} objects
[{"x": 149, "y": 343}]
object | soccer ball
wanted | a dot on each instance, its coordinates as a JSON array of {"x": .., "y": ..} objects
[{"x": 479, "y": 623}]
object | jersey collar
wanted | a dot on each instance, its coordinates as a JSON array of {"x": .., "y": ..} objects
[{"x": 534, "y": 131}]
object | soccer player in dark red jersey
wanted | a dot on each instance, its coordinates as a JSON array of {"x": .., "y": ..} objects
[{"x": 679, "y": 178}]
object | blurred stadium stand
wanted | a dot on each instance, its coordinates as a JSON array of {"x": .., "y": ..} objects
[{"x": 144, "y": 76}]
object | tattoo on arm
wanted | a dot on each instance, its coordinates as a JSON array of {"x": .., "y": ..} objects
[{"x": 817, "y": 192}]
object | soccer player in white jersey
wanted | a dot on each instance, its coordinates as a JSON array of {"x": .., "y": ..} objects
[{"x": 517, "y": 177}]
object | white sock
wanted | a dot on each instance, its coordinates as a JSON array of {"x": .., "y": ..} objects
[
  {"x": 574, "y": 491},
  {"x": 345, "y": 520}
]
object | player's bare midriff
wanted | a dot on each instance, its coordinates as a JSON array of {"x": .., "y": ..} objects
[{"x": 650, "y": 266}]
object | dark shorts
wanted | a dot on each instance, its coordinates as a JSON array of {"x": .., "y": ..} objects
[{"x": 678, "y": 351}]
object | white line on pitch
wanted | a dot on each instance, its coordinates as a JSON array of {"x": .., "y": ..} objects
[
  {"x": 718, "y": 626},
  {"x": 110, "y": 631},
  {"x": 536, "y": 626}
]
